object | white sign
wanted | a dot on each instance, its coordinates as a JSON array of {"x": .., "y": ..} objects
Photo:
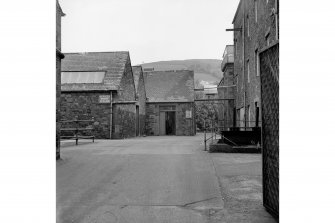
[
  {"x": 104, "y": 99},
  {"x": 189, "y": 114}
]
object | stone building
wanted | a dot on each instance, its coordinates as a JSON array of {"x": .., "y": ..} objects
[
  {"x": 100, "y": 85},
  {"x": 256, "y": 27},
  {"x": 170, "y": 103},
  {"x": 226, "y": 89},
  {"x": 256, "y": 68},
  {"x": 140, "y": 98},
  {"x": 59, "y": 56}
]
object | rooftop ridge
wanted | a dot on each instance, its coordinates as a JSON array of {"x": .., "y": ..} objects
[{"x": 90, "y": 52}]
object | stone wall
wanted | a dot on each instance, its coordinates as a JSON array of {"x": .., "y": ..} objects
[
  {"x": 84, "y": 106},
  {"x": 126, "y": 90},
  {"x": 124, "y": 121},
  {"x": 261, "y": 34},
  {"x": 124, "y": 115},
  {"x": 142, "y": 104},
  {"x": 184, "y": 126}
]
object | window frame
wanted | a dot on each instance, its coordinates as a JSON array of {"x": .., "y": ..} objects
[
  {"x": 256, "y": 10},
  {"x": 248, "y": 26},
  {"x": 257, "y": 63},
  {"x": 248, "y": 70}
]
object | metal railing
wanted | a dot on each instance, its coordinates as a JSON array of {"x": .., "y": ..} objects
[{"x": 214, "y": 129}]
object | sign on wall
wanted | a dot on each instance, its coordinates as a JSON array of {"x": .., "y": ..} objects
[
  {"x": 189, "y": 114},
  {"x": 104, "y": 99}
]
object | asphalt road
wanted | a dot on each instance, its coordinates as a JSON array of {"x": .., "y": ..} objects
[
  {"x": 158, "y": 179},
  {"x": 148, "y": 179}
]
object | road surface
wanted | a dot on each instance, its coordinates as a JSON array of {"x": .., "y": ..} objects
[{"x": 142, "y": 180}]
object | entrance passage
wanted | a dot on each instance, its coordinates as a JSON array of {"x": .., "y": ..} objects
[{"x": 167, "y": 120}]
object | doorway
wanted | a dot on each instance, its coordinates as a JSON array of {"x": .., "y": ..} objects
[
  {"x": 170, "y": 123},
  {"x": 167, "y": 120}
]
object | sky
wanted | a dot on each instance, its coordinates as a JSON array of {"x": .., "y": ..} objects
[{"x": 151, "y": 30}]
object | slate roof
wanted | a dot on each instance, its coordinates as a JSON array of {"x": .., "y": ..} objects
[
  {"x": 113, "y": 63},
  {"x": 169, "y": 86},
  {"x": 137, "y": 70}
]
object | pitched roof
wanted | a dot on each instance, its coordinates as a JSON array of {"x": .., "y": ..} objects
[
  {"x": 113, "y": 63},
  {"x": 137, "y": 71},
  {"x": 59, "y": 9},
  {"x": 169, "y": 86}
]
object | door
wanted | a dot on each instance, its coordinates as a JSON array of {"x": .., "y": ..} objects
[
  {"x": 162, "y": 130},
  {"x": 170, "y": 123}
]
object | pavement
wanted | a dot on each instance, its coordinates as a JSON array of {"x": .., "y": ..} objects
[{"x": 157, "y": 179}]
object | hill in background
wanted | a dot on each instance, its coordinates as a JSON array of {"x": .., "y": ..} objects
[{"x": 208, "y": 70}]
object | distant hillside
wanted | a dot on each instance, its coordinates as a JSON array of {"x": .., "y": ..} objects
[{"x": 204, "y": 69}]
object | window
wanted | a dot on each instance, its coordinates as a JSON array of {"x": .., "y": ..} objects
[
  {"x": 82, "y": 77},
  {"x": 256, "y": 115},
  {"x": 248, "y": 26},
  {"x": 277, "y": 20},
  {"x": 242, "y": 123},
  {"x": 248, "y": 71},
  {"x": 249, "y": 117},
  {"x": 267, "y": 40},
  {"x": 256, "y": 11},
  {"x": 256, "y": 63}
]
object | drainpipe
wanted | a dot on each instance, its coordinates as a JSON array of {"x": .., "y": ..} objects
[
  {"x": 111, "y": 116},
  {"x": 243, "y": 59}
]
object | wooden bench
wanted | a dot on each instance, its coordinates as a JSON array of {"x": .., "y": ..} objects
[{"x": 76, "y": 136}]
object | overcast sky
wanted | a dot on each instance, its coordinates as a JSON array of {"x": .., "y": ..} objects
[{"x": 151, "y": 30}]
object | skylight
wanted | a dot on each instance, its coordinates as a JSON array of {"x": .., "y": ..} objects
[{"x": 82, "y": 77}]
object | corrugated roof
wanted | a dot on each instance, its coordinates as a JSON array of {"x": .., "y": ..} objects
[
  {"x": 169, "y": 86},
  {"x": 137, "y": 70},
  {"x": 112, "y": 62}
]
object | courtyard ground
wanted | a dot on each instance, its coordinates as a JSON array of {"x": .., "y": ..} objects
[{"x": 157, "y": 179}]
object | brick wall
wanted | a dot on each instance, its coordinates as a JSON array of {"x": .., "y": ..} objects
[
  {"x": 183, "y": 126},
  {"x": 85, "y": 105},
  {"x": 261, "y": 34}
]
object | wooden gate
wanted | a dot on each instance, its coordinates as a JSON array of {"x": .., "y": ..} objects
[{"x": 269, "y": 73}]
